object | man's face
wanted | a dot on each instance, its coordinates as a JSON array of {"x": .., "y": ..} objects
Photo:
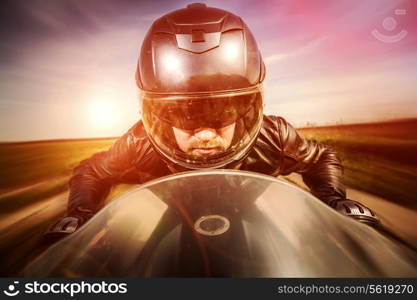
[{"x": 204, "y": 142}]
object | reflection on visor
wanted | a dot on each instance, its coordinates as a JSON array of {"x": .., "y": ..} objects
[
  {"x": 198, "y": 113},
  {"x": 161, "y": 114}
]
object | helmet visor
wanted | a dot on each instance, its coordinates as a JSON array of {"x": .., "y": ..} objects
[{"x": 174, "y": 125}]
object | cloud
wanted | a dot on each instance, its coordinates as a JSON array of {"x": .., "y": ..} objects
[{"x": 308, "y": 48}]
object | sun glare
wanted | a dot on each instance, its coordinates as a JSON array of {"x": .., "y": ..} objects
[{"x": 102, "y": 114}]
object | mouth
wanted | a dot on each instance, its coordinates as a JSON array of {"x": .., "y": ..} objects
[{"x": 206, "y": 151}]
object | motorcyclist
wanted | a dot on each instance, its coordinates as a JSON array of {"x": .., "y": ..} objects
[{"x": 200, "y": 74}]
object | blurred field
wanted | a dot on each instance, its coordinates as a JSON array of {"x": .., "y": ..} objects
[
  {"x": 33, "y": 183},
  {"x": 379, "y": 158},
  {"x": 34, "y": 171},
  {"x": 31, "y": 162}
]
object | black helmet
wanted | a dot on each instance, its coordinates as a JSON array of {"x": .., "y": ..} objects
[{"x": 200, "y": 68}]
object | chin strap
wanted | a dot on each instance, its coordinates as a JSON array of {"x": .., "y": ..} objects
[{"x": 356, "y": 211}]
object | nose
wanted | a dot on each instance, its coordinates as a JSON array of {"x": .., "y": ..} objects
[{"x": 205, "y": 134}]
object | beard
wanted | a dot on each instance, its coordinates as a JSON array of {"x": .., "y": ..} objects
[{"x": 201, "y": 149}]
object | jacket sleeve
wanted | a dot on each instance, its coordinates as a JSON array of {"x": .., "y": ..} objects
[
  {"x": 93, "y": 178},
  {"x": 318, "y": 163}
]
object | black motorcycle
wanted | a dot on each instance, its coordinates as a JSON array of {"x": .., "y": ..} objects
[{"x": 223, "y": 223}]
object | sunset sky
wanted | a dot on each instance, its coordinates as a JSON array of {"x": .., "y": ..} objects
[{"x": 67, "y": 67}]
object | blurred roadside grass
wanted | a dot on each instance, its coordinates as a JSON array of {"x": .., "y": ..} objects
[
  {"x": 33, "y": 171},
  {"x": 379, "y": 158},
  {"x": 31, "y": 162}
]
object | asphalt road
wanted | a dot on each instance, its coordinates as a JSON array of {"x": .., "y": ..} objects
[{"x": 399, "y": 220}]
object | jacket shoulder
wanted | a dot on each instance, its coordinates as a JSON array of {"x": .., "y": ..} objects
[
  {"x": 278, "y": 125},
  {"x": 275, "y": 131},
  {"x": 136, "y": 141},
  {"x": 138, "y": 130}
]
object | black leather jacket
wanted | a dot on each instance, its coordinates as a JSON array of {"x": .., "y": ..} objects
[{"x": 278, "y": 150}]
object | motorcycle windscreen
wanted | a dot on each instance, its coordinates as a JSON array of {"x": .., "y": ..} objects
[{"x": 222, "y": 223}]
